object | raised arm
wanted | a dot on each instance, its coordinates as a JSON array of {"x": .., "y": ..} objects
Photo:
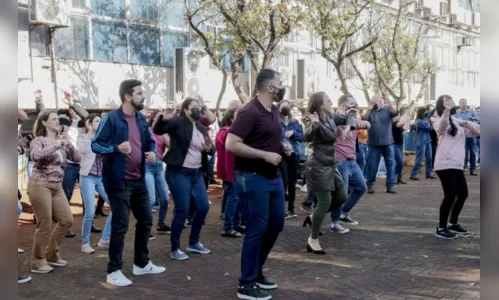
[
  {"x": 83, "y": 144},
  {"x": 423, "y": 125},
  {"x": 21, "y": 116},
  {"x": 101, "y": 144},
  {"x": 167, "y": 126},
  {"x": 310, "y": 130},
  {"x": 362, "y": 124}
]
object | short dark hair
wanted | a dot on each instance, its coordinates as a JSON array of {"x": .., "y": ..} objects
[
  {"x": 263, "y": 77},
  {"x": 185, "y": 105},
  {"x": 126, "y": 87},
  {"x": 344, "y": 99},
  {"x": 90, "y": 118}
]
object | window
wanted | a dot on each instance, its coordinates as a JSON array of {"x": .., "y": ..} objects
[
  {"x": 172, "y": 13},
  {"x": 144, "y": 9},
  {"x": 144, "y": 44},
  {"x": 171, "y": 41},
  {"x": 109, "y": 8},
  {"x": 39, "y": 41},
  {"x": 22, "y": 18},
  {"x": 109, "y": 41},
  {"x": 439, "y": 53},
  {"x": 79, "y": 4},
  {"x": 72, "y": 42}
]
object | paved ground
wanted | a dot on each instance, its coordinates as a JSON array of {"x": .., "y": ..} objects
[{"x": 391, "y": 255}]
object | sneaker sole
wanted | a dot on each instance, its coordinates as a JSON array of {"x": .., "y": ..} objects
[
  {"x": 241, "y": 296},
  {"x": 119, "y": 285},
  {"x": 56, "y": 264},
  {"x": 267, "y": 287},
  {"x": 148, "y": 273},
  {"x": 163, "y": 232},
  {"x": 88, "y": 252},
  {"x": 102, "y": 246},
  {"x": 197, "y": 251},
  {"x": 445, "y": 237},
  {"x": 460, "y": 233},
  {"x": 40, "y": 272},
  {"x": 179, "y": 259},
  {"x": 340, "y": 232},
  {"x": 355, "y": 224},
  {"x": 26, "y": 280}
]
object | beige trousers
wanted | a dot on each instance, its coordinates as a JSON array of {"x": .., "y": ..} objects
[{"x": 49, "y": 202}]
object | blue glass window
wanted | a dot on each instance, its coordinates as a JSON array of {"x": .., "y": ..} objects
[
  {"x": 144, "y": 9},
  {"x": 172, "y": 13},
  {"x": 109, "y": 8},
  {"x": 144, "y": 44},
  {"x": 109, "y": 41},
  {"x": 170, "y": 42},
  {"x": 72, "y": 42}
]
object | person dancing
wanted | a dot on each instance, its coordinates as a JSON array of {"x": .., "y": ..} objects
[
  {"x": 91, "y": 181},
  {"x": 186, "y": 161},
  {"x": 50, "y": 151},
  {"x": 124, "y": 139},
  {"x": 323, "y": 178},
  {"x": 449, "y": 165}
]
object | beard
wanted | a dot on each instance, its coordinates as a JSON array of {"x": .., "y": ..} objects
[{"x": 138, "y": 105}]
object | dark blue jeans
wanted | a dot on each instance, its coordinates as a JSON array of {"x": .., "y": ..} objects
[
  {"x": 373, "y": 158},
  {"x": 71, "y": 175},
  {"x": 422, "y": 151},
  {"x": 361, "y": 156},
  {"x": 355, "y": 184},
  {"x": 232, "y": 207},
  {"x": 399, "y": 160},
  {"x": 470, "y": 154},
  {"x": 210, "y": 171},
  {"x": 264, "y": 200},
  {"x": 478, "y": 148},
  {"x": 133, "y": 196},
  {"x": 184, "y": 182}
]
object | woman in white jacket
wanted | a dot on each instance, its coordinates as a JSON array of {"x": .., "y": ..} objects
[{"x": 91, "y": 181}]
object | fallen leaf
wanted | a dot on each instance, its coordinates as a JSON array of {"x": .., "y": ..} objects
[
  {"x": 425, "y": 256},
  {"x": 459, "y": 249},
  {"x": 188, "y": 278},
  {"x": 227, "y": 274},
  {"x": 472, "y": 284}
]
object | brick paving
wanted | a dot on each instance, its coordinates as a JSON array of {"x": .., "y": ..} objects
[{"x": 392, "y": 254}]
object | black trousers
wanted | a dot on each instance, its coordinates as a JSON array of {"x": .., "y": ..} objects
[
  {"x": 455, "y": 194},
  {"x": 133, "y": 196},
  {"x": 289, "y": 170}
]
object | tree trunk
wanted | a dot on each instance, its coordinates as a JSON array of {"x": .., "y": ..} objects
[
  {"x": 221, "y": 94},
  {"x": 236, "y": 82},
  {"x": 341, "y": 77}
]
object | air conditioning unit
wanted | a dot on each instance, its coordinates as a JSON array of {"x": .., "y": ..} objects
[
  {"x": 465, "y": 41},
  {"x": 426, "y": 12},
  {"x": 452, "y": 19},
  {"x": 286, "y": 76},
  {"x": 54, "y": 13},
  {"x": 187, "y": 65}
]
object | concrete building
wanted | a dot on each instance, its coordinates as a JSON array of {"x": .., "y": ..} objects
[{"x": 108, "y": 41}]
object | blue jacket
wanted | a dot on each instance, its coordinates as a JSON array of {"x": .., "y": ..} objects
[
  {"x": 112, "y": 131},
  {"x": 423, "y": 129},
  {"x": 297, "y": 136}
]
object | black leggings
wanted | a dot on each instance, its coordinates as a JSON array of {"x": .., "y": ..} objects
[
  {"x": 455, "y": 194},
  {"x": 289, "y": 169}
]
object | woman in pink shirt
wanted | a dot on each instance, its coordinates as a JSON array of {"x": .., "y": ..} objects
[
  {"x": 449, "y": 165},
  {"x": 225, "y": 164},
  {"x": 155, "y": 174}
]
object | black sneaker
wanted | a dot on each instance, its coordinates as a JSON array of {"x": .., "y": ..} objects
[
  {"x": 23, "y": 279},
  {"x": 266, "y": 284},
  {"x": 414, "y": 178},
  {"x": 290, "y": 214},
  {"x": 164, "y": 229},
  {"x": 240, "y": 229},
  {"x": 70, "y": 234},
  {"x": 252, "y": 293},
  {"x": 370, "y": 190},
  {"x": 400, "y": 181},
  {"x": 445, "y": 233},
  {"x": 456, "y": 228},
  {"x": 390, "y": 190}
]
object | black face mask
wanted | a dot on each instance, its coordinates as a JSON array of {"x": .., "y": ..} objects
[
  {"x": 279, "y": 95},
  {"x": 375, "y": 107},
  {"x": 285, "y": 111},
  {"x": 196, "y": 114},
  {"x": 453, "y": 111}
]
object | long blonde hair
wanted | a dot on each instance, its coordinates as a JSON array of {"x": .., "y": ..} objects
[{"x": 39, "y": 129}]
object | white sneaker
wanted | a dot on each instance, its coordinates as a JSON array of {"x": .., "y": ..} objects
[
  {"x": 58, "y": 263},
  {"x": 103, "y": 244},
  {"x": 209, "y": 201},
  {"x": 87, "y": 249},
  {"x": 336, "y": 227},
  {"x": 118, "y": 279},
  {"x": 304, "y": 188},
  {"x": 298, "y": 186},
  {"x": 19, "y": 250},
  {"x": 149, "y": 269}
]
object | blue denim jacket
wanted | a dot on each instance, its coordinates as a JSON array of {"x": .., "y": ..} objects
[
  {"x": 423, "y": 129},
  {"x": 297, "y": 136}
]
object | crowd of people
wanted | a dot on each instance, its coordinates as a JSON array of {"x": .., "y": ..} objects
[{"x": 259, "y": 148}]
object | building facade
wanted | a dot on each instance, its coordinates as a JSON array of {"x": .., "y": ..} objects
[{"x": 108, "y": 41}]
